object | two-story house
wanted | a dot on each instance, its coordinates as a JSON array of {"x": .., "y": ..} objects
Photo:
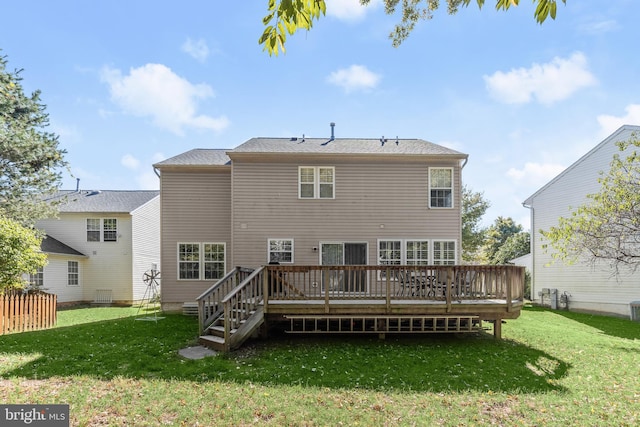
[
  {"x": 316, "y": 231},
  {"x": 100, "y": 246},
  {"x": 306, "y": 201},
  {"x": 589, "y": 286}
]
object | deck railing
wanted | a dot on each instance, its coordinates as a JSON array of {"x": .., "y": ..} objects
[
  {"x": 395, "y": 282},
  {"x": 210, "y": 301},
  {"x": 241, "y": 303}
]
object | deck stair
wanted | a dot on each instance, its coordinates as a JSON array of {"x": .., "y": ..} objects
[
  {"x": 336, "y": 324},
  {"x": 248, "y": 322}
]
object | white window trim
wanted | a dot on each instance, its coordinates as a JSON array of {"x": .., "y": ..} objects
[
  {"x": 270, "y": 239},
  {"x": 316, "y": 183},
  {"x": 403, "y": 249},
  {"x": 201, "y": 261},
  {"x": 224, "y": 260},
  {"x": 441, "y": 188},
  {"x": 455, "y": 250},
  {"x": 77, "y": 273},
  {"x": 101, "y": 230}
]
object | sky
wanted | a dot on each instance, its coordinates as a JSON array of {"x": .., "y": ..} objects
[{"x": 129, "y": 83}]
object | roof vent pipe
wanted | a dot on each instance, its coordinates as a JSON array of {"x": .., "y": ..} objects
[{"x": 333, "y": 125}]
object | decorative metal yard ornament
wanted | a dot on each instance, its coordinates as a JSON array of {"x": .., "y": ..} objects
[{"x": 150, "y": 304}]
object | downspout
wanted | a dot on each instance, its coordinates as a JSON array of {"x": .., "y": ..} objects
[{"x": 531, "y": 249}]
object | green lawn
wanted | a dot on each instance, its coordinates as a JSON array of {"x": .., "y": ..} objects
[{"x": 551, "y": 368}]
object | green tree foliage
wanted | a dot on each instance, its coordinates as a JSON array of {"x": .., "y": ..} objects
[
  {"x": 474, "y": 206},
  {"x": 497, "y": 236},
  {"x": 607, "y": 226},
  {"x": 515, "y": 246},
  {"x": 288, "y": 16},
  {"x": 30, "y": 160},
  {"x": 19, "y": 254}
]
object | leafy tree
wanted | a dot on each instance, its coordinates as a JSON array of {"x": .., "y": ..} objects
[
  {"x": 606, "y": 227},
  {"x": 496, "y": 237},
  {"x": 30, "y": 160},
  {"x": 20, "y": 253},
  {"x": 474, "y": 206},
  {"x": 515, "y": 246},
  {"x": 288, "y": 16}
]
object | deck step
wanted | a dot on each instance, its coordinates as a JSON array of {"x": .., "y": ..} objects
[{"x": 212, "y": 341}]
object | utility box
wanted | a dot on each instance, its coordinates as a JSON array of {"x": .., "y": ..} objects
[
  {"x": 635, "y": 310},
  {"x": 553, "y": 297}
]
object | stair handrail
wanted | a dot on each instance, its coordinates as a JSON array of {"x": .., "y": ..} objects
[
  {"x": 240, "y": 301},
  {"x": 210, "y": 301}
]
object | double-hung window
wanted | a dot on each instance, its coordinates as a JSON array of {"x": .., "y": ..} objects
[
  {"x": 280, "y": 250},
  {"x": 444, "y": 252},
  {"x": 201, "y": 261},
  {"x": 105, "y": 230},
  {"x": 441, "y": 187},
  {"x": 316, "y": 182},
  {"x": 93, "y": 230},
  {"x": 416, "y": 252},
  {"x": 73, "y": 273},
  {"x": 36, "y": 279}
]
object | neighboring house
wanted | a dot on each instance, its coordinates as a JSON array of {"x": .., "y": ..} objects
[
  {"x": 524, "y": 261},
  {"x": 101, "y": 245},
  {"x": 590, "y": 287},
  {"x": 306, "y": 201}
]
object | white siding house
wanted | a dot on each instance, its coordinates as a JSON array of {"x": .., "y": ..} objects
[
  {"x": 116, "y": 238},
  {"x": 590, "y": 287}
]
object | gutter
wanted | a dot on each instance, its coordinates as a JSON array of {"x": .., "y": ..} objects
[{"x": 532, "y": 245}]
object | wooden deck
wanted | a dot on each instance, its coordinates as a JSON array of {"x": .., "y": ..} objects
[{"x": 379, "y": 299}]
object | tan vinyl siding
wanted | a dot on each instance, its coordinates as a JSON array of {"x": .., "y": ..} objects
[
  {"x": 195, "y": 207},
  {"x": 387, "y": 199}
]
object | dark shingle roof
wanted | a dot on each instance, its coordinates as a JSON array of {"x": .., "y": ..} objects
[
  {"x": 112, "y": 201},
  {"x": 53, "y": 246},
  {"x": 391, "y": 146},
  {"x": 198, "y": 157}
]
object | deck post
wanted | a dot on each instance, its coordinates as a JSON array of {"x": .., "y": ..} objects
[
  {"x": 265, "y": 288},
  {"x": 325, "y": 275},
  {"x": 388, "y": 283},
  {"x": 497, "y": 329}
]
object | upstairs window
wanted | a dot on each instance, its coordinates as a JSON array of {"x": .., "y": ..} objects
[
  {"x": 93, "y": 230},
  {"x": 440, "y": 187},
  {"x": 316, "y": 182},
  {"x": 109, "y": 230},
  {"x": 105, "y": 230}
]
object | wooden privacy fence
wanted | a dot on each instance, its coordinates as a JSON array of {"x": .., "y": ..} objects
[{"x": 27, "y": 312}]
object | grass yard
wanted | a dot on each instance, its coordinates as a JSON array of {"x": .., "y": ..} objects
[{"x": 550, "y": 369}]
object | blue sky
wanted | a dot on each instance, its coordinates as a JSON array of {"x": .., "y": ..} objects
[{"x": 128, "y": 84}]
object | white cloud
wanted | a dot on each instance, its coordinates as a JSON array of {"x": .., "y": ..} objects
[
  {"x": 597, "y": 27},
  {"x": 155, "y": 91},
  {"x": 609, "y": 124},
  {"x": 129, "y": 162},
  {"x": 535, "y": 174},
  {"x": 548, "y": 83},
  {"x": 356, "y": 77},
  {"x": 197, "y": 49},
  {"x": 349, "y": 10}
]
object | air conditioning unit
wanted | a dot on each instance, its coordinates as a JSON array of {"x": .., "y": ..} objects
[
  {"x": 635, "y": 310},
  {"x": 546, "y": 291}
]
